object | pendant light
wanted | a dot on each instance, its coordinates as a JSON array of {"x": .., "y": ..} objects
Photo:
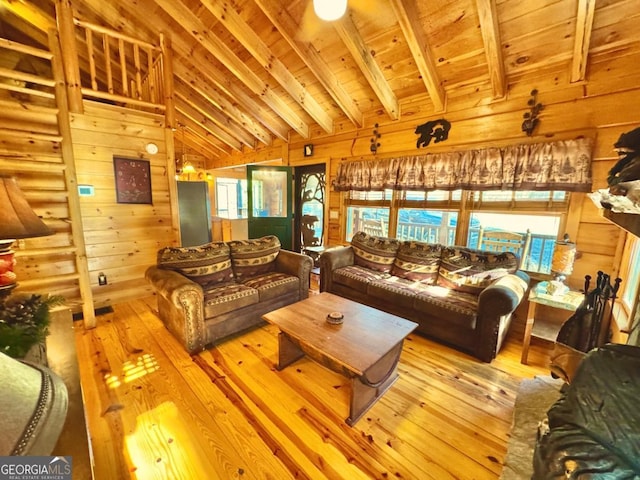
[{"x": 330, "y": 10}]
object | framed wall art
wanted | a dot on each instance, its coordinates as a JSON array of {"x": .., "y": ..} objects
[{"x": 133, "y": 180}]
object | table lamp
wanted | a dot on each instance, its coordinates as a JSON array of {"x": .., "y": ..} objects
[
  {"x": 17, "y": 220},
  {"x": 564, "y": 254}
]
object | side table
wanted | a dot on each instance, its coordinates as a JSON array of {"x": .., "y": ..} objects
[
  {"x": 546, "y": 330},
  {"x": 314, "y": 252}
]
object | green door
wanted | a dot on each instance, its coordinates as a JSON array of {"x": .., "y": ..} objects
[{"x": 270, "y": 203}]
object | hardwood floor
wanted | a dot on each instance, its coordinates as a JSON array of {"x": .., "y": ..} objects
[{"x": 154, "y": 412}]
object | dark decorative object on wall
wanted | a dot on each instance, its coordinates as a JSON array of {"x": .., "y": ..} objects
[
  {"x": 531, "y": 117},
  {"x": 133, "y": 180},
  {"x": 436, "y": 129},
  {"x": 374, "y": 140},
  {"x": 628, "y": 166},
  {"x": 308, "y": 149}
]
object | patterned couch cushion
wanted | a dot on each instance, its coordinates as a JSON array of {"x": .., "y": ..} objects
[
  {"x": 418, "y": 261},
  {"x": 274, "y": 285},
  {"x": 208, "y": 264},
  {"x": 455, "y": 307},
  {"x": 471, "y": 271},
  {"x": 375, "y": 253},
  {"x": 254, "y": 257},
  {"x": 225, "y": 298},
  {"x": 356, "y": 277}
]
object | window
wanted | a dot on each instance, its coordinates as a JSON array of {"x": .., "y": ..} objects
[
  {"x": 539, "y": 233},
  {"x": 631, "y": 274},
  {"x": 231, "y": 198},
  {"x": 368, "y": 212}
]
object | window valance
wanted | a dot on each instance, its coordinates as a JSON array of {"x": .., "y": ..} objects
[{"x": 561, "y": 165}]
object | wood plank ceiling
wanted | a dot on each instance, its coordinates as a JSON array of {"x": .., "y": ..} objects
[{"x": 250, "y": 71}]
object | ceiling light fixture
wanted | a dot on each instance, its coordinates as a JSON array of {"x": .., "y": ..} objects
[{"x": 330, "y": 10}]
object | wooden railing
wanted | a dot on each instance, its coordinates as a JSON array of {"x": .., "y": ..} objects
[
  {"x": 538, "y": 258},
  {"x": 132, "y": 69}
]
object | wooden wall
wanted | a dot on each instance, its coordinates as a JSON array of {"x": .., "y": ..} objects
[
  {"x": 603, "y": 108},
  {"x": 34, "y": 142},
  {"x": 121, "y": 239}
]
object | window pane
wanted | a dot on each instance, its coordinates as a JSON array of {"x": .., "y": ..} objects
[
  {"x": 231, "y": 198},
  {"x": 433, "y": 226},
  {"x": 543, "y": 230},
  {"x": 374, "y": 221},
  {"x": 435, "y": 195},
  {"x": 632, "y": 277},
  {"x": 269, "y": 193},
  {"x": 371, "y": 196}
]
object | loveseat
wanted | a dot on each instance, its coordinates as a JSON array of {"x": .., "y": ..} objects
[
  {"x": 460, "y": 296},
  {"x": 209, "y": 292}
]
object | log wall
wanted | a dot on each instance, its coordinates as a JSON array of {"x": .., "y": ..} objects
[
  {"x": 121, "y": 239},
  {"x": 35, "y": 148}
]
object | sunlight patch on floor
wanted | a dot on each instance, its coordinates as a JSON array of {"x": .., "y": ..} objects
[{"x": 144, "y": 365}]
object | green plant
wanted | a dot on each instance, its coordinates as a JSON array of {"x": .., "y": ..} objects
[{"x": 24, "y": 321}]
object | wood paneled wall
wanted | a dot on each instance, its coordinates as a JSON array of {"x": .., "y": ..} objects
[
  {"x": 122, "y": 240},
  {"x": 603, "y": 108}
]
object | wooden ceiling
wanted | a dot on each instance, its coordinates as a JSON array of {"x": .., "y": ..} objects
[{"x": 247, "y": 72}]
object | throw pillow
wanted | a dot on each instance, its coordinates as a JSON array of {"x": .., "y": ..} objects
[
  {"x": 254, "y": 257},
  {"x": 207, "y": 265},
  {"x": 374, "y": 253},
  {"x": 469, "y": 270},
  {"x": 418, "y": 261}
]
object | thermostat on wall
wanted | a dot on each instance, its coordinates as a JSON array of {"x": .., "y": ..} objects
[{"x": 85, "y": 190}]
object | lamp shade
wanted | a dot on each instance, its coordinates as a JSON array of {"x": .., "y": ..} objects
[
  {"x": 17, "y": 219},
  {"x": 564, "y": 254}
]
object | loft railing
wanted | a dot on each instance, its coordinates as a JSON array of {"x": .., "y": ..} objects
[{"x": 121, "y": 69}]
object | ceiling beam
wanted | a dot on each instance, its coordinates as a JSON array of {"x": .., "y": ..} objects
[
  {"x": 248, "y": 38},
  {"x": 194, "y": 26},
  {"x": 30, "y": 13},
  {"x": 206, "y": 137},
  {"x": 199, "y": 65},
  {"x": 355, "y": 44},
  {"x": 584, "y": 25},
  {"x": 194, "y": 142},
  {"x": 409, "y": 19},
  {"x": 220, "y": 101},
  {"x": 129, "y": 20},
  {"x": 188, "y": 111},
  {"x": 221, "y": 120},
  {"x": 287, "y": 26},
  {"x": 490, "y": 29}
]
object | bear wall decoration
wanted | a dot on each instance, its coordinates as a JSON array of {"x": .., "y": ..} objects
[{"x": 438, "y": 130}]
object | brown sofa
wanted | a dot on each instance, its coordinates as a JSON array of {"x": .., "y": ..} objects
[
  {"x": 460, "y": 296},
  {"x": 212, "y": 291}
]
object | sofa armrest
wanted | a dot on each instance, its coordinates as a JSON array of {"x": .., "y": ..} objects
[
  {"x": 296, "y": 264},
  {"x": 331, "y": 260},
  {"x": 496, "y": 303},
  {"x": 180, "y": 306}
]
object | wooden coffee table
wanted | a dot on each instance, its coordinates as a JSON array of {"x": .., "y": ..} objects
[{"x": 365, "y": 347}]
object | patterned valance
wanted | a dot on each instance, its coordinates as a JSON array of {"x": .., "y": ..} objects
[{"x": 562, "y": 165}]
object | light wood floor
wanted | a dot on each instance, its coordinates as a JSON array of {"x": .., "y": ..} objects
[{"x": 154, "y": 412}]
